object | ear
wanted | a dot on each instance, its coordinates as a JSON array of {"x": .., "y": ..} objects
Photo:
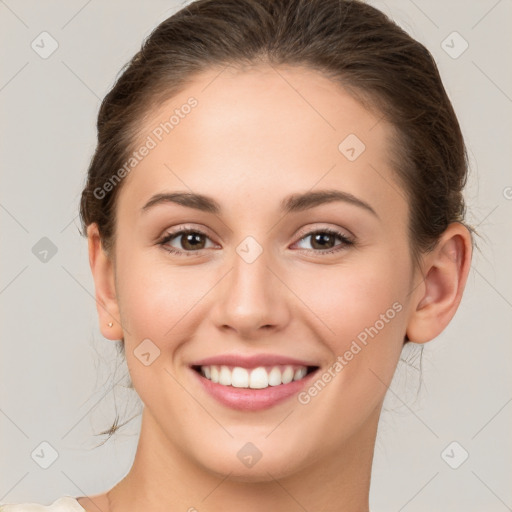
[
  {"x": 104, "y": 283},
  {"x": 445, "y": 271}
]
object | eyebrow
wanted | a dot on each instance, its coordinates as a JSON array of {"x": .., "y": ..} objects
[{"x": 294, "y": 203}]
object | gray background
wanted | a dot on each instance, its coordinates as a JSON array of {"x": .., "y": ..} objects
[{"x": 58, "y": 373}]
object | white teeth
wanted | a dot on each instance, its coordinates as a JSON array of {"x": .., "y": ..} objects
[
  {"x": 239, "y": 377},
  {"x": 287, "y": 375},
  {"x": 225, "y": 376},
  {"x": 274, "y": 377},
  {"x": 300, "y": 373},
  {"x": 257, "y": 378}
]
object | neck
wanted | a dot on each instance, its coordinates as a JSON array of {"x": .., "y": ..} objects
[{"x": 162, "y": 478}]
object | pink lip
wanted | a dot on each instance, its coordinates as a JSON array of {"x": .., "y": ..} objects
[
  {"x": 251, "y": 361},
  {"x": 245, "y": 399}
]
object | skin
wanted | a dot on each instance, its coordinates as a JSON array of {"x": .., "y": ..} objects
[{"x": 255, "y": 137}]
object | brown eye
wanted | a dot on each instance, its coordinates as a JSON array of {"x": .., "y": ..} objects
[
  {"x": 186, "y": 242},
  {"x": 323, "y": 241},
  {"x": 191, "y": 240}
]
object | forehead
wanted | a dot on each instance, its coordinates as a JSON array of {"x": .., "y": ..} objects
[{"x": 260, "y": 134}]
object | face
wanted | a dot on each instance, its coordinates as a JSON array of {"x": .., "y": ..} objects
[{"x": 320, "y": 285}]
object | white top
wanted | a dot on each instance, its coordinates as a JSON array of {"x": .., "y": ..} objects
[{"x": 63, "y": 504}]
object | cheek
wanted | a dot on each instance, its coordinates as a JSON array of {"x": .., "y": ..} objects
[
  {"x": 360, "y": 310},
  {"x": 347, "y": 299},
  {"x": 150, "y": 302},
  {"x": 361, "y": 313},
  {"x": 155, "y": 296},
  {"x": 154, "y": 299}
]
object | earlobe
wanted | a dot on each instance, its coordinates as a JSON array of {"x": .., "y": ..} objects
[
  {"x": 104, "y": 283},
  {"x": 445, "y": 274}
]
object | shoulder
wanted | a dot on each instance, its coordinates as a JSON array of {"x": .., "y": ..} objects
[{"x": 63, "y": 504}]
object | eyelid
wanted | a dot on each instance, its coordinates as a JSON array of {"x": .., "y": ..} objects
[
  {"x": 186, "y": 227},
  {"x": 347, "y": 239},
  {"x": 308, "y": 230}
]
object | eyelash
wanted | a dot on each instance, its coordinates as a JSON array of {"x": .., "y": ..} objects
[{"x": 346, "y": 242}]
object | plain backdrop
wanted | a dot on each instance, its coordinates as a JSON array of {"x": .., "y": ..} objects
[{"x": 443, "y": 446}]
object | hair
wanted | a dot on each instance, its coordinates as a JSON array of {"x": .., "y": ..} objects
[{"x": 350, "y": 42}]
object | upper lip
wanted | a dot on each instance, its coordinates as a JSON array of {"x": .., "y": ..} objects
[{"x": 252, "y": 361}]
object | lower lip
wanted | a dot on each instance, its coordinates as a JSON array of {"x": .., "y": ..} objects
[{"x": 246, "y": 399}]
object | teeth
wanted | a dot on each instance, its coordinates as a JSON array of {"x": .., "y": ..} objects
[
  {"x": 225, "y": 376},
  {"x": 240, "y": 377},
  {"x": 287, "y": 375},
  {"x": 257, "y": 378},
  {"x": 300, "y": 373},
  {"x": 274, "y": 377}
]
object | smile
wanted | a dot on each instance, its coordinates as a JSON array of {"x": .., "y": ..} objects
[
  {"x": 260, "y": 377},
  {"x": 252, "y": 382}
]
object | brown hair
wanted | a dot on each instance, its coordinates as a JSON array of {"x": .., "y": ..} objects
[{"x": 352, "y": 43}]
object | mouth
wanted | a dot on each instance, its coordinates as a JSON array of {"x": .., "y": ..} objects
[
  {"x": 252, "y": 382},
  {"x": 261, "y": 377}
]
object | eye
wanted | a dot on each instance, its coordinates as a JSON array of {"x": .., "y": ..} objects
[
  {"x": 189, "y": 239},
  {"x": 323, "y": 240},
  {"x": 192, "y": 241}
]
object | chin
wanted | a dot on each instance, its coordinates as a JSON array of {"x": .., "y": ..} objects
[{"x": 276, "y": 464}]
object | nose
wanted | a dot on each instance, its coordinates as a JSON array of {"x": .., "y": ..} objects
[{"x": 251, "y": 299}]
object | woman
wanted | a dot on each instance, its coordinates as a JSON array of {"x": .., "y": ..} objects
[{"x": 274, "y": 208}]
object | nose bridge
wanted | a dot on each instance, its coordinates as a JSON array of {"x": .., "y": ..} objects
[{"x": 250, "y": 295}]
